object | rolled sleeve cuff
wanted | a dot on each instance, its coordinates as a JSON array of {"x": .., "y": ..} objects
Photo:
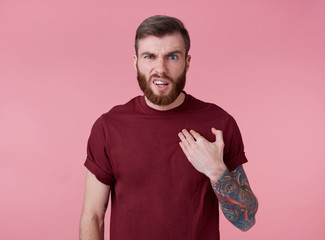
[
  {"x": 236, "y": 161},
  {"x": 100, "y": 174}
]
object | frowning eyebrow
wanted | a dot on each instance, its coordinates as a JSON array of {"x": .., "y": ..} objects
[
  {"x": 168, "y": 54},
  {"x": 175, "y": 52}
]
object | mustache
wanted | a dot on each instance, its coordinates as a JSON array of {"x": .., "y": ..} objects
[{"x": 163, "y": 76}]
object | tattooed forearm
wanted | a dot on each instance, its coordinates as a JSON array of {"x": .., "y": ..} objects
[{"x": 236, "y": 198}]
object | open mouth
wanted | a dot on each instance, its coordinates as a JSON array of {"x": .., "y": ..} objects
[{"x": 160, "y": 83}]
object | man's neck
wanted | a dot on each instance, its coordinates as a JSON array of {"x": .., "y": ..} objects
[{"x": 179, "y": 100}]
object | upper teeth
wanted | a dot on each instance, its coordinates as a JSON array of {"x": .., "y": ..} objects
[{"x": 159, "y": 82}]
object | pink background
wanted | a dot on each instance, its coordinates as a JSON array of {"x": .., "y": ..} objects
[{"x": 64, "y": 63}]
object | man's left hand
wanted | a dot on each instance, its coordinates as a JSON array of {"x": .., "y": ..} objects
[{"x": 205, "y": 156}]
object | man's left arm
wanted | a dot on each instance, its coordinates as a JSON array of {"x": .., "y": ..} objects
[
  {"x": 237, "y": 201},
  {"x": 232, "y": 189}
]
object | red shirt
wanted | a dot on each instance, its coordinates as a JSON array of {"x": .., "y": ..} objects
[{"x": 156, "y": 192}]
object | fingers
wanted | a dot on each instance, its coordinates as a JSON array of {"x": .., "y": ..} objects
[
  {"x": 188, "y": 141},
  {"x": 188, "y": 137},
  {"x": 218, "y": 134},
  {"x": 195, "y": 135},
  {"x": 184, "y": 141},
  {"x": 183, "y": 147}
]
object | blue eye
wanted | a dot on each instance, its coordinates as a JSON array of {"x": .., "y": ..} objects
[
  {"x": 172, "y": 57},
  {"x": 149, "y": 57}
]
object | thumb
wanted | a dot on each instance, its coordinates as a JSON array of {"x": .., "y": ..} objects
[{"x": 218, "y": 134}]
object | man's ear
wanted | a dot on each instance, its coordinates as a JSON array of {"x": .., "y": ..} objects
[
  {"x": 187, "y": 63},
  {"x": 135, "y": 59}
]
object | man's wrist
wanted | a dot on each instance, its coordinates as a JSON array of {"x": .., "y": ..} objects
[{"x": 216, "y": 174}]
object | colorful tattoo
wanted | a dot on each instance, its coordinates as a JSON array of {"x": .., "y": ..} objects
[{"x": 236, "y": 198}]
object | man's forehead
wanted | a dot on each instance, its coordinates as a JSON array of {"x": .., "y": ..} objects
[{"x": 166, "y": 43}]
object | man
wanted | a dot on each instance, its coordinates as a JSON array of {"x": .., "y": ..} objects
[{"x": 167, "y": 159}]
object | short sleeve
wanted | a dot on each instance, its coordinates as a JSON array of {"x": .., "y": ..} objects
[
  {"x": 234, "y": 154},
  {"x": 97, "y": 161}
]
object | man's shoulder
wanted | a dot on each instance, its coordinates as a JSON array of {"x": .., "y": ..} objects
[
  {"x": 126, "y": 108},
  {"x": 207, "y": 106}
]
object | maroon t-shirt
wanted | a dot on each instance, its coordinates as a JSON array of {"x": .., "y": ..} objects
[{"x": 156, "y": 192}]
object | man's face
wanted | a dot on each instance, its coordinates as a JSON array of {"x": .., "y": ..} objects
[{"x": 161, "y": 67}]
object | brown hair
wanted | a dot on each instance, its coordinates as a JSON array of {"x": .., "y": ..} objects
[{"x": 160, "y": 25}]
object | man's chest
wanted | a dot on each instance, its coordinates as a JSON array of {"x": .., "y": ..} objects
[{"x": 146, "y": 155}]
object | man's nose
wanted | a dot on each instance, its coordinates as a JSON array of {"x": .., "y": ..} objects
[{"x": 160, "y": 66}]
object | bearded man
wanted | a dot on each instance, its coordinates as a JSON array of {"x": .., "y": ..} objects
[{"x": 167, "y": 159}]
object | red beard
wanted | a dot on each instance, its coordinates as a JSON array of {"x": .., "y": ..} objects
[{"x": 161, "y": 100}]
